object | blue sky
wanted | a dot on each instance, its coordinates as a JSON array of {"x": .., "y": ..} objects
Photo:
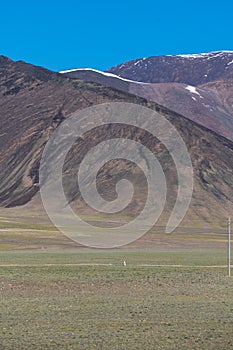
[{"x": 70, "y": 34}]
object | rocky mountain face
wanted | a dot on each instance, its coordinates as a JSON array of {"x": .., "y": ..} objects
[
  {"x": 197, "y": 69},
  {"x": 33, "y": 103},
  {"x": 211, "y": 73},
  {"x": 200, "y": 87}
]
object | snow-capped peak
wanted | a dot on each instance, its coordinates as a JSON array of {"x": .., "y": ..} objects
[{"x": 205, "y": 54}]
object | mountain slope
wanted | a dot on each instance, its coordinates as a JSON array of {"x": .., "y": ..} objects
[
  {"x": 34, "y": 101},
  {"x": 193, "y": 70},
  {"x": 211, "y": 72},
  {"x": 210, "y": 105}
]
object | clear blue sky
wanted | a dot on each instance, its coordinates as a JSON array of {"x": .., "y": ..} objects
[{"x": 69, "y": 34}]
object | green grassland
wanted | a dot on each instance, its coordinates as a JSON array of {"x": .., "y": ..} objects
[
  {"x": 174, "y": 292},
  {"x": 68, "y": 300}
]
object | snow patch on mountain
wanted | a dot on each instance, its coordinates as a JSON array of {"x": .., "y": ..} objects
[{"x": 192, "y": 89}]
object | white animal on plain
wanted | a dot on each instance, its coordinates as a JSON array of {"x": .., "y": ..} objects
[{"x": 124, "y": 263}]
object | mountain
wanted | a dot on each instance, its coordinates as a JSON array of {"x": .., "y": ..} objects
[
  {"x": 33, "y": 103},
  {"x": 210, "y": 73},
  {"x": 195, "y": 70},
  {"x": 200, "y": 86}
]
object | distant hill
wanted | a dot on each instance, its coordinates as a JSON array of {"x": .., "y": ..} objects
[
  {"x": 200, "y": 86},
  {"x": 196, "y": 69}
]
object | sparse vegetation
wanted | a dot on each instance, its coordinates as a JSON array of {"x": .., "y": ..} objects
[
  {"x": 173, "y": 293},
  {"x": 115, "y": 307}
]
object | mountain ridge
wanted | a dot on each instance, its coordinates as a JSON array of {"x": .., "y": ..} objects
[
  {"x": 218, "y": 119},
  {"x": 193, "y": 69}
]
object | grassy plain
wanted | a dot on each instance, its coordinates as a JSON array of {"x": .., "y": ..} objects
[{"x": 171, "y": 295}]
